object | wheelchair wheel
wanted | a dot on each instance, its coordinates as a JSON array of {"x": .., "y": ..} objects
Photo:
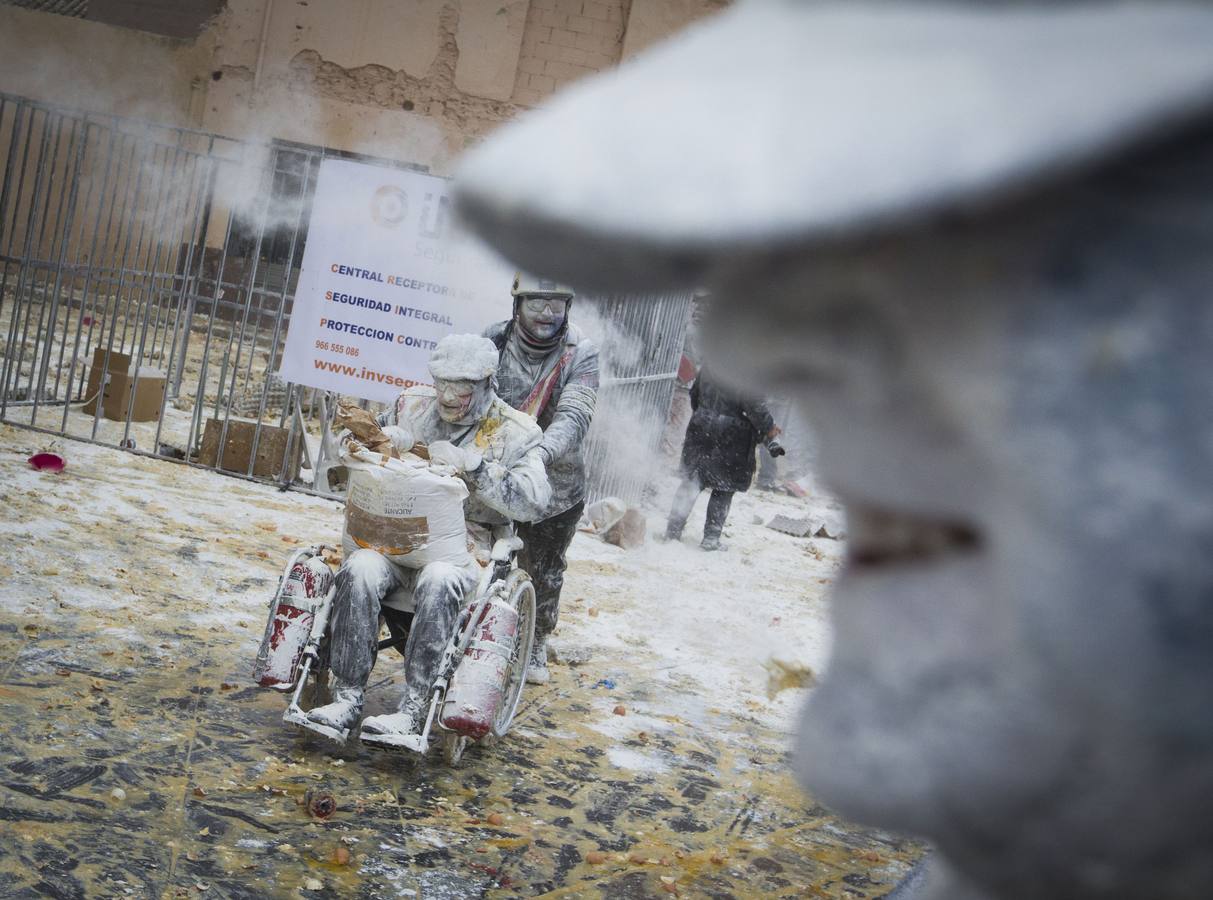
[{"x": 520, "y": 594}]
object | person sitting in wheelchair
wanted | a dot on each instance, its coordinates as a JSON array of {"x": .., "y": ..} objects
[{"x": 495, "y": 450}]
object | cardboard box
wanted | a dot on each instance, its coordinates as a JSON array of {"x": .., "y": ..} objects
[
  {"x": 123, "y": 392},
  {"x": 271, "y": 448}
]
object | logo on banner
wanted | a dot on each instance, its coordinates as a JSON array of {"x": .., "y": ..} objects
[{"x": 389, "y": 206}]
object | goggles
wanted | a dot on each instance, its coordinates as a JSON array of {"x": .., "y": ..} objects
[{"x": 539, "y": 304}]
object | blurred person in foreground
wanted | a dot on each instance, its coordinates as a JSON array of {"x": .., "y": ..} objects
[
  {"x": 718, "y": 454},
  {"x": 549, "y": 370},
  {"x": 972, "y": 240},
  {"x": 495, "y": 450}
]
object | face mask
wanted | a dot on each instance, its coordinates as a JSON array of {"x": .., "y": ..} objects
[{"x": 542, "y": 317}]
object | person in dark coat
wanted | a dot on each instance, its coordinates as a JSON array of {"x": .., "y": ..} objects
[{"x": 718, "y": 453}]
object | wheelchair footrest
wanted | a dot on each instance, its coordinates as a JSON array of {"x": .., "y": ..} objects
[{"x": 396, "y": 743}]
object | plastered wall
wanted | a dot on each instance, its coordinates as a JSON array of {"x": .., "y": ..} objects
[
  {"x": 101, "y": 68},
  {"x": 414, "y": 80},
  {"x": 650, "y": 21}
]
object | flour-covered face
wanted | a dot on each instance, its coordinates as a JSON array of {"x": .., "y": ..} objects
[
  {"x": 1003, "y": 410},
  {"x": 542, "y": 317},
  {"x": 457, "y": 399}
]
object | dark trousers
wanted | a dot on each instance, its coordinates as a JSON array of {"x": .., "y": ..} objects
[
  {"x": 545, "y": 544},
  {"x": 684, "y": 501}
]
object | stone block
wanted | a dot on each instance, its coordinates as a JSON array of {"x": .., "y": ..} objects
[
  {"x": 545, "y": 84},
  {"x": 581, "y": 24},
  {"x": 611, "y": 30},
  {"x": 527, "y": 97},
  {"x": 795, "y": 527},
  {"x": 531, "y": 65},
  {"x": 572, "y": 55},
  {"x": 595, "y": 9},
  {"x": 600, "y": 61},
  {"x": 591, "y": 43},
  {"x": 563, "y": 71}
]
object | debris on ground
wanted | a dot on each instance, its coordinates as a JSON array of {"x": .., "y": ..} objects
[
  {"x": 48, "y": 462},
  {"x": 628, "y": 532},
  {"x": 615, "y": 522},
  {"x": 788, "y": 525},
  {"x": 320, "y": 805},
  {"x": 782, "y": 675},
  {"x": 600, "y": 515},
  {"x": 795, "y": 489},
  {"x": 685, "y": 762},
  {"x": 566, "y": 654}
]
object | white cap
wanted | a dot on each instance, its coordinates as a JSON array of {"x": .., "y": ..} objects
[
  {"x": 464, "y": 357},
  {"x": 834, "y": 120}
]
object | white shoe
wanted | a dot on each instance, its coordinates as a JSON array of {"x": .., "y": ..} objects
[
  {"x": 335, "y": 720},
  {"x": 537, "y": 666},
  {"x": 395, "y": 730},
  {"x": 391, "y": 723}
]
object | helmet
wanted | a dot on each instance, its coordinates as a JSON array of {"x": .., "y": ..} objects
[
  {"x": 527, "y": 285},
  {"x": 464, "y": 357}
]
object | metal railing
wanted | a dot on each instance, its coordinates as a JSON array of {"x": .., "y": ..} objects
[
  {"x": 641, "y": 346},
  {"x": 147, "y": 276},
  {"x": 146, "y": 280}
]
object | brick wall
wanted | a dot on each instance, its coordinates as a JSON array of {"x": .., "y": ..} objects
[{"x": 564, "y": 40}]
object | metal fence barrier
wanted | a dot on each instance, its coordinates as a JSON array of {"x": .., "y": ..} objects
[
  {"x": 147, "y": 275},
  {"x": 641, "y": 345}
]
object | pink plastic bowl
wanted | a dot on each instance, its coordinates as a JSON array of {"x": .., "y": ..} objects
[{"x": 48, "y": 462}]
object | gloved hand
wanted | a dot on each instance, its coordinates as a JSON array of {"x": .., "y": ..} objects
[
  {"x": 401, "y": 437},
  {"x": 461, "y": 459},
  {"x": 347, "y": 444},
  {"x": 775, "y": 449}
]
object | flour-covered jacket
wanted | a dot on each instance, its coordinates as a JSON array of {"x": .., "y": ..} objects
[
  {"x": 560, "y": 390},
  {"x": 512, "y": 484}
]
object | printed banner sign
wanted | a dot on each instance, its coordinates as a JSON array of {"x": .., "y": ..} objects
[{"x": 384, "y": 277}]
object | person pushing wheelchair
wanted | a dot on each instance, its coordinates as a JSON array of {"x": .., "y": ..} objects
[{"x": 496, "y": 451}]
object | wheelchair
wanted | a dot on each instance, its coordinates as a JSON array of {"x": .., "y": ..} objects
[{"x": 483, "y": 667}]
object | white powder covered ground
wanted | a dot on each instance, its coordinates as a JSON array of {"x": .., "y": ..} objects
[
  {"x": 717, "y": 619},
  {"x": 115, "y": 529},
  {"x": 133, "y": 594}
]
